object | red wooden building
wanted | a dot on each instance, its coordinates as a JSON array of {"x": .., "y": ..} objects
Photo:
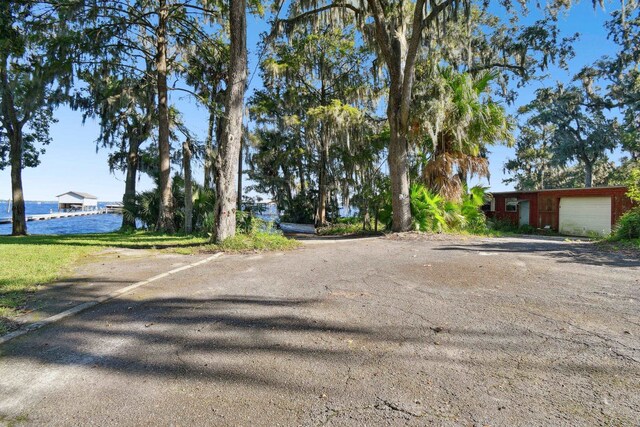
[{"x": 573, "y": 211}]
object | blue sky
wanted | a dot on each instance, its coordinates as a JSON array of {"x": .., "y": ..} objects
[{"x": 72, "y": 163}]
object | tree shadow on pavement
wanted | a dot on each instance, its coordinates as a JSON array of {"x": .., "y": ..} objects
[
  {"x": 219, "y": 339},
  {"x": 566, "y": 252},
  {"x": 295, "y": 346}
]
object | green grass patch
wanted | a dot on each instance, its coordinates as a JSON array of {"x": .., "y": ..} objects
[
  {"x": 135, "y": 240},
  {"x": 30, "y": 261},
  {"x": 25, "y": 265},
  {"x": 256, "y": 241}
]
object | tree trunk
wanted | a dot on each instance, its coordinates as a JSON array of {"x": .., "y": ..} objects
[
  {"x": 321, "y": 217},
  {"x": 398, "y": 170},
  {"x": 19, "y": 224},
  {"x": 240, "y": 177},
  {"x": 375, "y": 226},
  {"x": 400, "y": 55},
  {"x": 229, "y": 147},
  {"x": 188, "y": 193},
  {"x": 303, "y": 184},
  {"x": 13, "y": 128},
  {"x": 208, "y": 152},
  {"x": 165, "y": 217},
  {"x": 129, "y": 198},
  {"x": 588, "y": 174},
  {"x": 287, "y": 179}
]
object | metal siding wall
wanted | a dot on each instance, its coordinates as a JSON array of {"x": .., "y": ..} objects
[
  {"x": 533, "y": 210},
  {"x": 547, "y": 210},
  {"x": 544, "y": 205},
  {"x": 501, "y": 214},
  {"x": 620, "y": 203}
]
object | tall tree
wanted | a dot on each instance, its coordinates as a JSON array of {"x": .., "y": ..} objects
[
  {"x": 187, "y": 152},
  {"x": 581, "y": 130},
  {"x": 124, "y": 34},
  {"x": 535, "y": 167},
  {"x": 532, "y": 167},
  {"x": 125, "y": 108},
  {"x": 34, "y": 74},
  {"x": 457, "y": 121},
  {"x": 206, "y": 71},
  {"x": 314, "y": 72},
  {"x": 226, "y": 162},
  {"x": 619, "y": 75},
  {"x": 402, "y": 31},
  {"x": 165, "y": 219}
]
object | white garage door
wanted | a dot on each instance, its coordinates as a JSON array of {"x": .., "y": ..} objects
[{"x": 581, "y": 216}]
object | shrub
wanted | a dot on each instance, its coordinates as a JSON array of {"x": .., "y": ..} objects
[
  {"x": 255, "y": 234},
  {"x": 431, "y": 212},
  {"x": 428, "y": 209},
  {"x": 146, "y": 207},
  {"x": 633, "y": 183},
  {"x": 349, "y": 220},
  {"x": 257, "y": 241},
  {"x": 628, "y": 226},
  {"x": 502, "y": 225},
  {"x": 471, "y": 210},
  {"x": 300, "y": 211},
  {"x": 204, "y": 201},
  {"x": 527, "y": 229},
  {"x": 247, "y": 223}
]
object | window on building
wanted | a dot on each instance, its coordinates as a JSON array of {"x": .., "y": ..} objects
[
  {"x": 489, "y": 205},
  {"x": 511, "y": 204}
]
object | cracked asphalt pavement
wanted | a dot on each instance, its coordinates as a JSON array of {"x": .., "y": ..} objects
[{"x": 401, "y": 330}]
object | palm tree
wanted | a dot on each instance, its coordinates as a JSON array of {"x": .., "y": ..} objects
[{"x": 454, "y": 123}]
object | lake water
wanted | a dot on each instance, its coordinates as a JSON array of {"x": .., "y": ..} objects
[
  {"x": 75, "y": 225},
  {"x": 88, "y": 224}
]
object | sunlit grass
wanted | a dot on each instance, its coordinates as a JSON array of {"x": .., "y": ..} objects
[
  {"x": 30, "y": 261},
  {"x": 257, "y": 241},
  {"x": 136, "y": 240},
  {"x": 25, "y": 265}
]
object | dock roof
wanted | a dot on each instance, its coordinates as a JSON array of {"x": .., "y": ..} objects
[{"x": 79, "y": 193}]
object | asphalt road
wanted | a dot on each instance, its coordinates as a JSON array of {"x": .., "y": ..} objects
[{"x": 381, "y": 331}]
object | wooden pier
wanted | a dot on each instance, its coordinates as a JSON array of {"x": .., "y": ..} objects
[{"x": 57, "y": 215}]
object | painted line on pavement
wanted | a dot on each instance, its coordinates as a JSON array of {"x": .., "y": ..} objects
[{"x": 86, "y": 305}]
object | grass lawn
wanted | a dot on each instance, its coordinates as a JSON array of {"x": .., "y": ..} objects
[{"x": 29, "y": 261}]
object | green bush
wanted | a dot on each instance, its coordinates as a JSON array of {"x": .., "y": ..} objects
[
  {"x": 628, "y": 226},
  {"x": 432, "y": 212},
  {"x": 257, "y": 241},
  {"x": 146, "y": 207},
  {"x": 428, "y": 210},
  {"x": 633, "y": 183},
  {"x": 247, "y": 223},
  {"x": 204, "y": 202},
  {"x": 349, "y": 220},
  {"x": 255, "y": 234},
  {"x": 300, "y": 211}
]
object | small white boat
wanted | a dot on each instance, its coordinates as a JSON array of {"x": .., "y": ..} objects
[{"x": 289, "y": 227}]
